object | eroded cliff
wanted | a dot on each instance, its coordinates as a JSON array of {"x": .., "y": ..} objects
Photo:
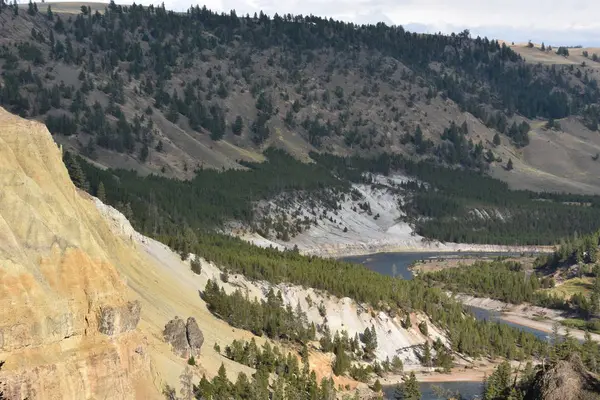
[
  {"x": 83, "y": 301},
  {"x": 67, "y": 319}
]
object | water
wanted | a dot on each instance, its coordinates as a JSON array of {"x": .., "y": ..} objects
[
  {"x": 384, "y": 264},
  {"x": 481, "y": 313},
  {"x": 432, "y": 390}
]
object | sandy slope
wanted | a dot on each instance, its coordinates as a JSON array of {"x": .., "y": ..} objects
[
  {"x": 61, "y": 293},
  {"x": 169, "y": 288}
]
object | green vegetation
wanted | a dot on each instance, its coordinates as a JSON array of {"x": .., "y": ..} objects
[
  {"x": 504, "y": 384},
  {"x": 270, "y": 317},
  {"x": 506, "y": 281},
  {"x": 144, "y": 52},
  {"x": 574, "y": 250},
  {"x": 408, "y": 390},
  {"x": 501, "y": 280},
  {"x": 269, "y": 358},
  {"x": 290, "y": 383},
  {"x": 349, "y": 280},
  {"x": 452, "y": 205},
  {"x": 163, "y": 207},
  {"x": 591, "y": 325},
  {"x": 462, "y": 205}
]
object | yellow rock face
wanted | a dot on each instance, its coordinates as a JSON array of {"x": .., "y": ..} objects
[
  {"x": 59, "y": 285},
  {"x": 74, "y": 283}
]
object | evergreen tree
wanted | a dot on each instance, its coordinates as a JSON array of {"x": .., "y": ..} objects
[
  {"x": 426, "y": 356},
  {"x": 497, "y": 139},
  {"x": 342, "y": 360},
  {"x": 397, "y": 365},
  {"x": 101, "y": 192},
  {"x": 498, "y": 385},
  {"x": 75, "y": 172},
  {"x": 409, "y": 390},
  {"x": 377, "y": 387},
  {"x": 237, "y": 126},
  {"x": 509, "y": 165}
]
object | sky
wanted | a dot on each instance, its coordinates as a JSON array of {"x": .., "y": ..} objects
[{"x": 563, "y": 22}]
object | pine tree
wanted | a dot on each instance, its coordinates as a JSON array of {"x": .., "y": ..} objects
[
  {"x": 101, "y": 192},
  {"x": 377, "y": 387},
  {"x": 426, "y": 357},
  {"x": 497, "y": 139},
  {"x": 409, "y": 390},
  {"x": 75, "y": 172},
  {"x": 342, "y": 361},
  {"x": 527, "y": 375},
  {"x": 397, "y": 365},
  {"x": 237, "y": 126},
  {"x": 509, "y": 165}
]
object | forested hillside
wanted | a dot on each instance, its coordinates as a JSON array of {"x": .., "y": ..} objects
[
  {"x": 446, "y": 204},
  {"x": 115, "y": 86}
]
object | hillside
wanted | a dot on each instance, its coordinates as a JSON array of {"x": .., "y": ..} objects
[
  {"x": 83, "y": 309},
  {"x": 115, "y": 87},
  {"x": 85, "y": 298}
]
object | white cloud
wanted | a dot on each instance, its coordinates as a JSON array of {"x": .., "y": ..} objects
[{"x": 554, "y": 21}]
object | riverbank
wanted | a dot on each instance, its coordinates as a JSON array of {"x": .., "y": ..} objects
[
  {"x": 476, "y": 371},
  {"x": 539, "y": 318},
  {"x": 330, "y": 246},
  {"x": 363, "y": 249},
  {"x": 454, "y": 261}
]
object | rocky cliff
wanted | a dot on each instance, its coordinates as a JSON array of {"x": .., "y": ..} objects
[
  {"x": 82, "y": 304},
  {"x": 67, "y": 320}
]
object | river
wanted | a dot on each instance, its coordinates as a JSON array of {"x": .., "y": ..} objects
[
  {"x": 444, "y": 390},
  {"x": 384, "y": 262},
  {"x": 398, "y": 264}
]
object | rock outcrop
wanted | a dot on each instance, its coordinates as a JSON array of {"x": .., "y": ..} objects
[
  {"x": 185, "y": 338},
  {"x": 194, "y": 336},
  {"x": 175, "y": 335},
  {"x": 67, "y": 319},
  {"x": 565, "y": 380},
  {"x": 115, "y": 320}
]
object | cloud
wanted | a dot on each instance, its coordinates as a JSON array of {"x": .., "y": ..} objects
[{"x": 554, "y": 22}]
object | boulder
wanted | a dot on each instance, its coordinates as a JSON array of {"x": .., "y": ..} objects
[
  {"x": 175, "y": 334},
  {"x": 194, "y": 336},
  {"x": 185, "y": 338}
]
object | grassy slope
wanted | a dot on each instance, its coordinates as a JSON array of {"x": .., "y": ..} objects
[{"x": 553, "y": 161}]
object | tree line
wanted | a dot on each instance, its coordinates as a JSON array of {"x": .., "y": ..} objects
[
  {"x": 270, "y": 317},
  {"x": 149, "y": 46}
]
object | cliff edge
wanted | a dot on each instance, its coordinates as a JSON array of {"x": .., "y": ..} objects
[{"x": 67, "y": 319}]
